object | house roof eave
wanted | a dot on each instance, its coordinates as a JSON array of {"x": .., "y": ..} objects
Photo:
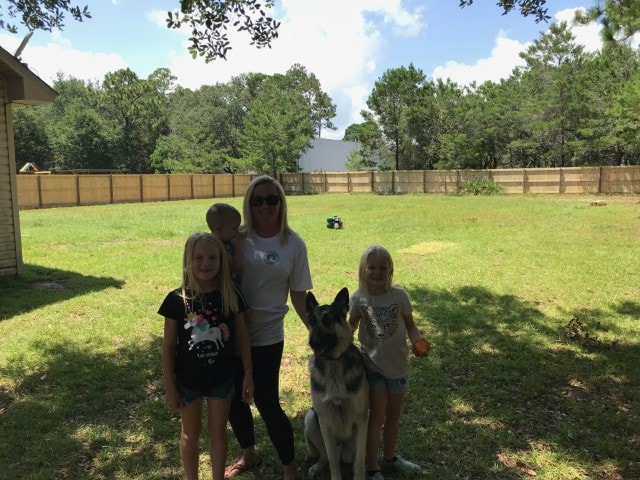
[{"x": 22, "y": 85}]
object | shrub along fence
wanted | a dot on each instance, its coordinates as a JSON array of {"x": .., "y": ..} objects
[{"x": 41, "y": 191}]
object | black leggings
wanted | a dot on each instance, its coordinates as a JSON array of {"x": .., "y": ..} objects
[{"x": 266, "y": 377}]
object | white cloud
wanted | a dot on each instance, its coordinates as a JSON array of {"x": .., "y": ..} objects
[
  {"x": 586, "y": 35},
  {"x": 159, "y": 17},
  {"x": 504, "y": 58},
  {"x": 340, "y": 43},
  {"x": 62, "y": 56},
  {"x": 405, "y": 23},
  {"x": 505, "y": 55}
]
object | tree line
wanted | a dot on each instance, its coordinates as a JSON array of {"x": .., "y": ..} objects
[
  {"x": 563, "y": 107},
  {"x": 255, "y": 122}
]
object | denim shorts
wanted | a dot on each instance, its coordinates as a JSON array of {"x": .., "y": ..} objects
[
  {"x": 378, "y": 381},
  {"x": 223, "y": 391}
]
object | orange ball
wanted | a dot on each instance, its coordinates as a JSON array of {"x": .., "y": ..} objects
[{"x": 421, "y": 347}]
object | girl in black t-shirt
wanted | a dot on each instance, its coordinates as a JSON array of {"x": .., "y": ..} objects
[{"x": 204, "y": 326}]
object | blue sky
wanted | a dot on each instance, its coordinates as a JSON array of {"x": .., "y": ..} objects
[{"x": 347, "y": 44}]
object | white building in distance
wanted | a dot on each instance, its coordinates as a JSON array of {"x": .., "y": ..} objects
[{"x": 325, "y": 155}]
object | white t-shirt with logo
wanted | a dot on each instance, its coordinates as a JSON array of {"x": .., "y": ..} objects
[{"x": 270, "y": 270}]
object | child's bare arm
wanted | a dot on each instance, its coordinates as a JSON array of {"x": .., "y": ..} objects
[
  {"x": 415, "y": 337},
  {"x": 412, "y": 330}
]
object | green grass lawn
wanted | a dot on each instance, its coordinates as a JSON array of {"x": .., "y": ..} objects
[{"x": 532, "y": 304}]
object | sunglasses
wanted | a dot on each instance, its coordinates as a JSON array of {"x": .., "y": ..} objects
[{"x": 271, "y": 200}]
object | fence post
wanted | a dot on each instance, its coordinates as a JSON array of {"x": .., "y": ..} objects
[
  {"x": 110, "y": 188},
  {"x": 600, "y": 180},
  {"x": 78, "y": 190},
  {"x": 39, "y": 183}
]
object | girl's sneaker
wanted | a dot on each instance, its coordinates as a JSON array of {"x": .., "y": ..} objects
[{"x": 400, "y": 465}]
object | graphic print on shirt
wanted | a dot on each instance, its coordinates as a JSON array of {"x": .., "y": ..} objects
[
  {"x": 206, "y": 338},
  {"x": 271, "y": 258},
  {"x": 381, "y": 322}
]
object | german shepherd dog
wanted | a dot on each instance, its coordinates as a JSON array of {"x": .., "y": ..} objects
[{"x": 336, "y": 426}]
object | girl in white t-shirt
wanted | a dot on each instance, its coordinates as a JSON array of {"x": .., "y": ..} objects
[{"x": 385, "y": 316}]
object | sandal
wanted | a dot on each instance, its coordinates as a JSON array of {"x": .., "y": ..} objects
[{"x": 239, "y": 467}]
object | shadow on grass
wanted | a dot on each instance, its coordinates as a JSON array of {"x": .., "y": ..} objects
[
  {"x": 88, "y": 416},
  {"x": 629, "y": 308},
  {"x": 506, "y": 391},
  {"x": 39, "y": 286}
]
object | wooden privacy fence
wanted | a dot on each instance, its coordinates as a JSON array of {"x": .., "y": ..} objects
[{"x": 41, "y": 191}]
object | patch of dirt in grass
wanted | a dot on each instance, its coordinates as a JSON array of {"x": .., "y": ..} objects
[
  {"x": 579, "y": 332},
  {"x": 588, "y": 198},
  {"x": 485, "y": 348},
  {"x": 425, "y": 248}
]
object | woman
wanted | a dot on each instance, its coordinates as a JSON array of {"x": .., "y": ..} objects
[{"x": 276, "y": 267}]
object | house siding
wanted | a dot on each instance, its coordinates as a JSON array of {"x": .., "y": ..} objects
[{"x": 10, "y": 250}]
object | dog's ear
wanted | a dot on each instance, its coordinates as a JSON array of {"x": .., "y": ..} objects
[
  {"x": 311, "y": 302},
  {"x": 342, "y": 300}
]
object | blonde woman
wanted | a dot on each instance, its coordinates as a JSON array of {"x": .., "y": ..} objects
[{"x": 276, "y": 268}]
